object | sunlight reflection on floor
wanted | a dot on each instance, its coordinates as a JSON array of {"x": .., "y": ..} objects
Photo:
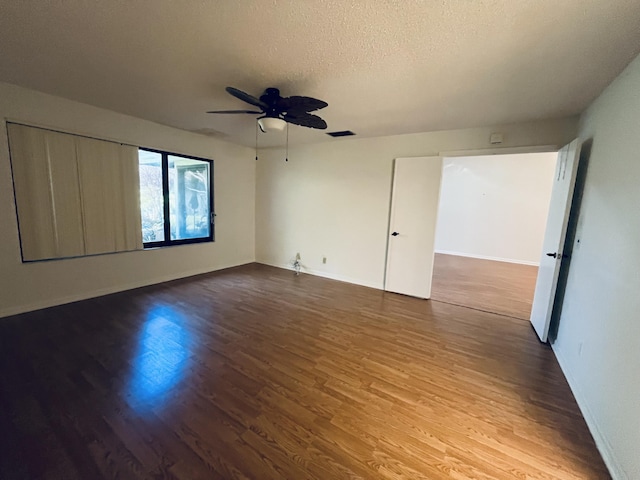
[{"x": 161, "y": 359}]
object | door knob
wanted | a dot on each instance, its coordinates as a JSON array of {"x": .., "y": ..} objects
[
  {"x": 395, "y": 234},
  {"x": 557, "y": 255}
]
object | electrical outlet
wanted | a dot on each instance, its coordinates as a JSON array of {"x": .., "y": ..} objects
[
  {"x": 298, "y": 256},
  {"x": 324, "y": 259}
]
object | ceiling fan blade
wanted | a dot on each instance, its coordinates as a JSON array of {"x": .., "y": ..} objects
[
  {"x": 300, "y": 104},
  {"x": 245, "y": 97},
  {"x": 236, "y": 111},
  {"x": 306, "y": 120}
]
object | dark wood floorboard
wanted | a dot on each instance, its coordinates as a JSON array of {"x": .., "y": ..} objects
[
  {"x": 497, "y": 287},
  {"x": 255, "y": 373}
]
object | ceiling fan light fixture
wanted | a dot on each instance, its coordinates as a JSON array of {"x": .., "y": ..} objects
[{"x": 271, "y": 124}]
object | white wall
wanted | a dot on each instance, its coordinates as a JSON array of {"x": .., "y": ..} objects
[
  {"x": 495, "y": 207},
  {"x": 598, "y": 343},
  {"x": 332, "y": 199},
  {"x": 35, "y": 285}
]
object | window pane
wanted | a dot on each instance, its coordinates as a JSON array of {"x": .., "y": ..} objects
[
  {"x": 189, "y": 198},
  {"x": 151, "y": 198}
]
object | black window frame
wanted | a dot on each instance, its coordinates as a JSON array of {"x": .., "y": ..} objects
[{"x": 168, "y": 242}]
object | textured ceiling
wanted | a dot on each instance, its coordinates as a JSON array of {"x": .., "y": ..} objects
[{"x": 384, "y": 66}]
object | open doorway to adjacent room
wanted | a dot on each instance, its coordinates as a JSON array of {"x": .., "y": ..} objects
[{"x": 491, "y": 223}]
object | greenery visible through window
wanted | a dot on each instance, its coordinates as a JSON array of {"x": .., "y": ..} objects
[{"x": 176, "y": 198}]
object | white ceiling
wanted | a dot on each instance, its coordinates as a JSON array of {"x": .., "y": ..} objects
[{"x": 384, "y": 66}]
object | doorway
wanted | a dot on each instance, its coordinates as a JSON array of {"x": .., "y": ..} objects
[{"x": 490, "y": 229}]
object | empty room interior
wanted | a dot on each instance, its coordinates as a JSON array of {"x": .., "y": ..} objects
[
  {"x": 320, "y": 240},
  {"x": 490, "y": 227}
]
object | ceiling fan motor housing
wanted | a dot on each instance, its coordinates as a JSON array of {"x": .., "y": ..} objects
[{"x": 270, "y": 98}]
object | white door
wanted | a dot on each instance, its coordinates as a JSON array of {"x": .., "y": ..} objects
[
  {"x": 552, "y": 254},
  {"x": 412, "y": 225}
]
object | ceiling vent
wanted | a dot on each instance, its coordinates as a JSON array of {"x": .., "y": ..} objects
[
  {"x": 210, "y": 132},
  {"x": 343, "y": 133}
]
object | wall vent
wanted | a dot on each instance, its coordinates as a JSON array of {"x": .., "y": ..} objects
[{"x": 343, "y": 133}]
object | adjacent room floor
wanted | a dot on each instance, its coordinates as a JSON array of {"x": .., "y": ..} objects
[
  {"x": 496, "y": 287},
  {"x": 256, "y": 373}
]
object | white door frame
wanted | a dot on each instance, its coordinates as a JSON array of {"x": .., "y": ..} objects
[
  {"x": 500, "y": 151},
  {"x": 469, "y": 153}
]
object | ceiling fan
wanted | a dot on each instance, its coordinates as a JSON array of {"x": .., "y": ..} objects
[{"x": 277, "y": 111}]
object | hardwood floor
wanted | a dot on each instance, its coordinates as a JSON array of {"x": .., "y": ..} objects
[
  {"x": 256, "y": 373},
  {"x": 496, "y": 287}
]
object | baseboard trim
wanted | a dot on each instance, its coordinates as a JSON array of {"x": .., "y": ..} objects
[
  {"x": 601, "y": 442},
  {"x": 108, "y": 290},
  {"x": 484, "y": 257},
  {"x": 320, "y": 273}
]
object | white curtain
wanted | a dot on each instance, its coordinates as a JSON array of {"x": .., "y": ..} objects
[{"x": 75, "y": 196}]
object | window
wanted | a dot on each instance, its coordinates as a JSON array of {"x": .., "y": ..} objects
[
  {"x": 77, "y": 196},
  {"x": 176, "y": 198}
]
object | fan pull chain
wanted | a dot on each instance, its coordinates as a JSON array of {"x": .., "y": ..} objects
[
  {"x": 286, "y": 159},
  {"x": 256, "y": 140}
]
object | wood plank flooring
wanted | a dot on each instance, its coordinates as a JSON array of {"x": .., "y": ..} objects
[
  {"x": 496, "y": 287},
  {"x": 255, "y": 373}
]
